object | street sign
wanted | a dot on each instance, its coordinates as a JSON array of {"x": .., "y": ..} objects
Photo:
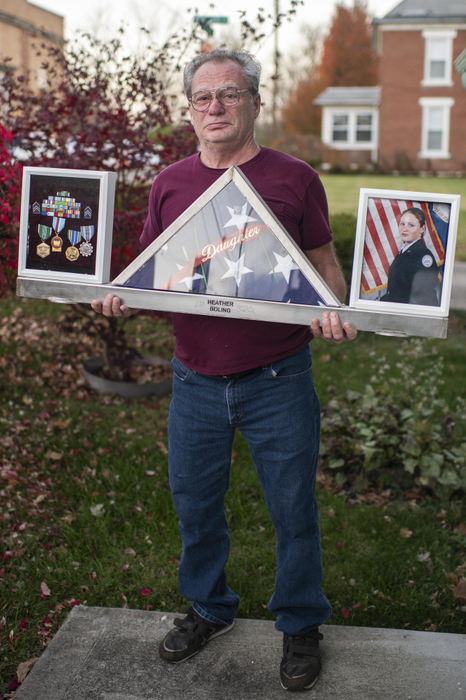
[{"x": 205, "y": 22}]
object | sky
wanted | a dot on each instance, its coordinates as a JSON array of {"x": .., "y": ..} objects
[
  {"x": 96, "y": 14},
  {"x": 162, "y": 17}
]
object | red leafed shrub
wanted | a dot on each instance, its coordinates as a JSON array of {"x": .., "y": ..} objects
[
  {"x": 103, "y": 109},
  {"x": 10, "y": 195}
]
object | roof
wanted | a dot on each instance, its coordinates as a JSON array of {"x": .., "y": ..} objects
[
  {"x": 425, "y": 11},
  {"x": 349, "y": 96}
]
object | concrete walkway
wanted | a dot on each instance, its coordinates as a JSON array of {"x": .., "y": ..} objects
[{"x": 111, "y": 654}]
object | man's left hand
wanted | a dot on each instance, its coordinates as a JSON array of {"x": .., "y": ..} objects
[{"x": 332, "y": 329}]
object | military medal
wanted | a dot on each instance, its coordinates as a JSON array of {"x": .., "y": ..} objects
[
  {"x": 43, "y": 249},
  {"x": 57, "y": 242},
  {"x": 86, "y": 249},
  {"x": 72, "y": 253}
]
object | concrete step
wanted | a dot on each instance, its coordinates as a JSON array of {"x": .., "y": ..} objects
[{"x": 111, "y": 654}]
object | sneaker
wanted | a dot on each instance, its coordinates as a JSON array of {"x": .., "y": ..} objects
[
  {"x": 188, "y": 636},
  {"x": 300, "y": 665}
]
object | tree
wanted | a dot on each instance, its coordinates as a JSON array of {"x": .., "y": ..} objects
[
  {"x": 105, "y": 108},
  {"x": 102, "y": 110},
  {"x": 348, "y": 58},
  {"x": 300, "y": 115}
]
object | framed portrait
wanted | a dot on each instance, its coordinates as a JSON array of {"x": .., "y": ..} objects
[
  {"x": 66, "y": 224},
  {"x": 404, "y": 252}
]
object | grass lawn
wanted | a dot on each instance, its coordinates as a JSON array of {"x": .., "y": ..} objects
[
  {"x": 87, "y": 516},
  {"x": 343, "y": 194}
]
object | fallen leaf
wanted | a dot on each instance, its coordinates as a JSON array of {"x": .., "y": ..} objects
[
  {"x": 45, "y": 590},
  {"x": 146, "y": 591},
  {"x": 459, "y": 591},
  {"x": 61, "y": 424},
  {"x": 406, "y": 533},
  {"x": 24, "y": 668},
  {"x": 97, "y": 510},
  {"x": 424, "y": 556}
]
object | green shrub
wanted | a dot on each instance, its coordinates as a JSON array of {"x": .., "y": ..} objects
[
  {"x": 344, "y": 228},
  {"x": 397, "y": 432}
]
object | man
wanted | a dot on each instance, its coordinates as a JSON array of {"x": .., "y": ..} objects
[
  {"x": 413, "y": 276},
  {"x": 254, "y": 376}
]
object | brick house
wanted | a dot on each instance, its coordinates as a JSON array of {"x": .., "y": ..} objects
[
  {"x": 23, "y": 28},
  {"x": 415, "y": 120}
]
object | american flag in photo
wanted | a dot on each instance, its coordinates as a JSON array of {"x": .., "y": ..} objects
[
  {"x": 382, "y": 239},
  {"x": 227, "y": 250}
]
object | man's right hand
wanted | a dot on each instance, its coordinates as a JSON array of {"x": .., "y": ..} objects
[{"x": 111, "y": 306}]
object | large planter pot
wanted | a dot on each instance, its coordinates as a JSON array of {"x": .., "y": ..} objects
[{"x": 129, "y": 390}]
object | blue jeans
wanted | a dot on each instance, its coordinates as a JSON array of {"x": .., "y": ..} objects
[{"x": 277, "y": 410}]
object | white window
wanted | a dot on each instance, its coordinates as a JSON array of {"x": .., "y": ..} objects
[
  {"x": 42, "y": 78},
  {"x": 435, "y": 139},
  {"x": 438, "y": 57},
  {"x": 349, "y": 128}
]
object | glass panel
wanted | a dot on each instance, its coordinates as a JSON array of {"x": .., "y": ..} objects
[
  {"x": 434, "y": 141},
  {"x": 438, "y": 48},
  {"x": 363, "y": 135},
  {"x": 364, "y": 120},
  {"x": 340, "y": 120},
  {"x": 226, "y": 249},
  {"x": 438, "y": 69},
  {"x": 435, "y": 118},
  {"x": 340, "y": 135},
  {"x": 363, "y": 128}
]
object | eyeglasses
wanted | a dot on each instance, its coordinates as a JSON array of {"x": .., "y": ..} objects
[{"x": 227, "y": 96}]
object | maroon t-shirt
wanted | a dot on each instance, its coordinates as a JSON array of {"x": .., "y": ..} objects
[{"x": 294, "y": 192}]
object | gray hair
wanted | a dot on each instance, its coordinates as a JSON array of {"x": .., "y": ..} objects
[{"x": 250, "y": 67}]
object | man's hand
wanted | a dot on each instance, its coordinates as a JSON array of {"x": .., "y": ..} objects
[
  {"x": 331, "y": 328},
  {"x": 111, "y": 306}
]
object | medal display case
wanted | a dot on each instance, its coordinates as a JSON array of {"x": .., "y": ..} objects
[
  {"x": 66, "y": 224},
  {"x": 228, "y": 255}
]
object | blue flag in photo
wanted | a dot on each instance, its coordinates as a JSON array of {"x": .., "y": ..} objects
[{"x": 440, "y": 215}]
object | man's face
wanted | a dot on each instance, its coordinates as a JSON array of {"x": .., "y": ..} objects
[
  {"x": 219, "y": 124},
  {"x": 410, "y": 228}
]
